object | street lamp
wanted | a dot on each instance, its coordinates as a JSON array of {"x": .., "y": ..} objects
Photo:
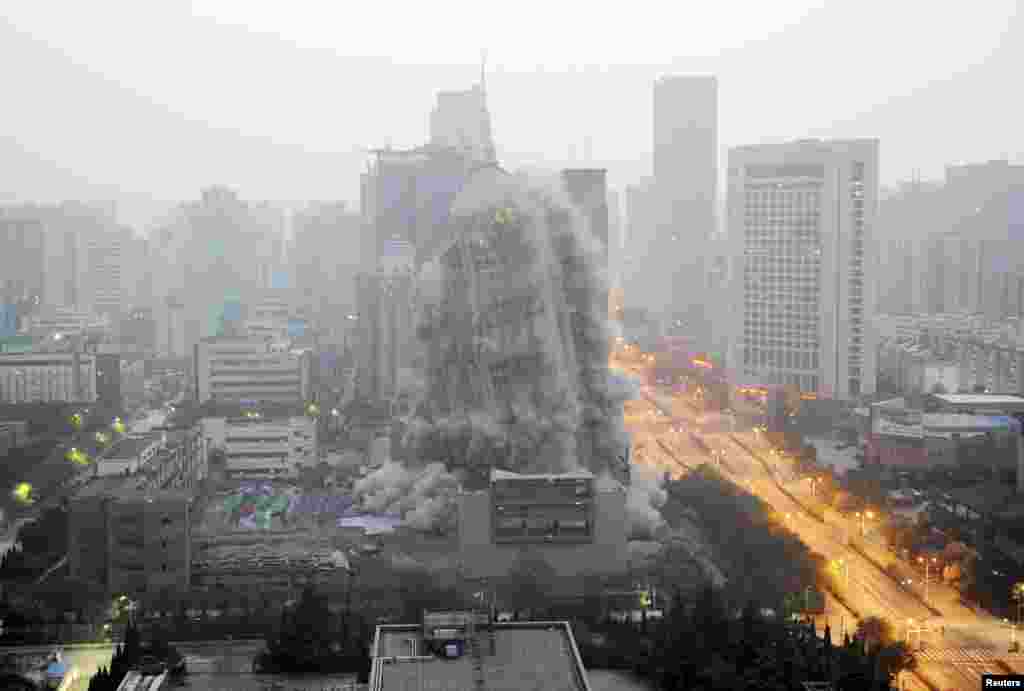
[
  {"x": 1018, "y": 595},
  {"x": 814, "y": 481},
  {"x": 927, "y": 564},
  {"x": 866, "y": 515}
]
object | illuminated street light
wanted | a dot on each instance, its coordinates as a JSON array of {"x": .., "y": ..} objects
[
  {"x": 867, "y": 515},
  {"x": 927, "y": 565}
]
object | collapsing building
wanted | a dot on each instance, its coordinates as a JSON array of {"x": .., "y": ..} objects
[{"x": 517, "y": 341}]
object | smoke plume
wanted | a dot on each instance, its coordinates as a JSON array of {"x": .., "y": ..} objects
[
  {"x": 424, "y": 497},
  {"x": 644, "y": 501}
]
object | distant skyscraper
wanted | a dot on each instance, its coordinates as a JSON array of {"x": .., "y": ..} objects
[
  {"x": 461, "y": 121},
  {"x": 801, "y": 218},
  {"x": 685, "y": 172}
]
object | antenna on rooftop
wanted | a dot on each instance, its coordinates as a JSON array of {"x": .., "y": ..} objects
[{"x": 483, "y": 71}]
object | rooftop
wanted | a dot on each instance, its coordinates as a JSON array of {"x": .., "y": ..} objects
[
  {"x": 498, "y": 474},
  {"x": 130, "y": 447},
  {"x": 994, "y": 399},
  {"x": 527, "y": 655}
]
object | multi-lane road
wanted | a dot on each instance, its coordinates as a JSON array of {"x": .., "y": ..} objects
[{"x": 960, "y": 644}]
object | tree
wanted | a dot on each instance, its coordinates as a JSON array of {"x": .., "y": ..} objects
[
  {"x": 845, "y": 502},
  {"x": 875, "y": 631}
]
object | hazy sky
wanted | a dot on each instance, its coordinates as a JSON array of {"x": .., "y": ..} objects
[{"x": 155, "y": 100}]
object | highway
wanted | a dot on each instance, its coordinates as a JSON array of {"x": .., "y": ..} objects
[{"x": 960, "y": 645}]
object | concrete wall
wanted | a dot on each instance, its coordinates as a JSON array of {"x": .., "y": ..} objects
[
  {"x": 149, "y": 544},
  {"x": 481, "y": 558},
  {"x": 87, "y": 540}
]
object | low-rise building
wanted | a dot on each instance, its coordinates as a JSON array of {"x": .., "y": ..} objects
[
  {"x": 128, "y": 540},
  {"x": 266, "y": 443},
  {"x": 577, "y": 527},
  {"x": 52, "y": 377},
  {"x": 465, "y": 650},
  {"x": 253, "y": 370},
  {"x": 128, "y": 456}
]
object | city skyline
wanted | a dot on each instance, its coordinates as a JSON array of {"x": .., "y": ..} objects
[{"x": 208, "y": 140}]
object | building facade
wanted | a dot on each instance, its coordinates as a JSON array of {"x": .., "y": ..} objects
[
  {"x": 131, "y": 542},
  {"x": 578, "y": 529},
  {"x": 253, "y": 370},
  {"x": 57, "y": 377},
  {"x": 264, "y": 444},
  {"x": 685, "y": 180},
  {"x": 385, "y": 334},
  {"x": 801, "y": 217}
]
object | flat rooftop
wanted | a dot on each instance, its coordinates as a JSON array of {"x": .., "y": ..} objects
[
  {"x": 529, "y": 655},
  {"x": 978, "y": 399},
  {"x": 131, "y": 447}
]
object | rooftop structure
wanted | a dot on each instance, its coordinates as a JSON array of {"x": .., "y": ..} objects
[
  {"x": 1008, "y": 403},
  {"x": 466, "y": 654},
  {"x": 568, "y": 521},
  {"x": 137, "y": 681}
]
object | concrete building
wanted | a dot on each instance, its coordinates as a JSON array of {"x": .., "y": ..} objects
[
  {"x": 67, "y": 377},
  {"x": 642, "y": 287},
  {"x": 801, "y": 218},
  {"x": 325, "y": 256},
  {"x": 129, "y": 456},
  {"x": 578, "y": 528},
  {"x": 57, "y": 323},
  {"x": 461, "y": 121},
  {"x": 212, "y": 249},
  {"x": 22, "y": 257},
  {"x": 464, "y": 651},
  {"x": 270, "y": 443},
  {"x": 519, "y": 326},
  {"x": 685, "y": 178},
  {"x": 138, "y": 330},
  {"x": 385, "y": 333},
  {"x": 257, "y": 370},
  {"x": 132, "y": 542},
  {"x": 948, "y": 430}
]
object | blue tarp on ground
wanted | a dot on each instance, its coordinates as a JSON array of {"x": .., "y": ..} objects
[
  {"x": 370, "y": 521},
  {"x": 320, "y": 503}
]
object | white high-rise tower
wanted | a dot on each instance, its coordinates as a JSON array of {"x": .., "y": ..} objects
[{"x": 801, "y": 217}]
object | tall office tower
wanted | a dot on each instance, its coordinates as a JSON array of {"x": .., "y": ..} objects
[
  {"x": 685, "y": 172},
  {"x": 616, "y": 247},
  {"x": 215, "y": 248},
  {"x": 460, "y": 120},
  {"x": 801, "y": 218},
  {"x": 324, "y": 258},
  {"x": 385, "y": 337},
  {"x": 640, "y": 287},
  {"x": 22, "y": 266}
]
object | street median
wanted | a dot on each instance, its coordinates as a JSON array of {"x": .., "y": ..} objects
[
  {"x": 816, "y": 515},
  {"x": 857, "y": 546}
]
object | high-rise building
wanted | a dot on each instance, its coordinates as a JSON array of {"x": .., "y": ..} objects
[
  {"x": 385, "y": 335},
  {"x": 685, "y": 174},
  {"x": 460, "y": 120},
  {"x": 22, "y": 267},
  {"x": 325, "y": 255},
  {"x": 641, "y": 287},
  {"x": 216, "y": 248},
  {"x": 801, "y": 218}
]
